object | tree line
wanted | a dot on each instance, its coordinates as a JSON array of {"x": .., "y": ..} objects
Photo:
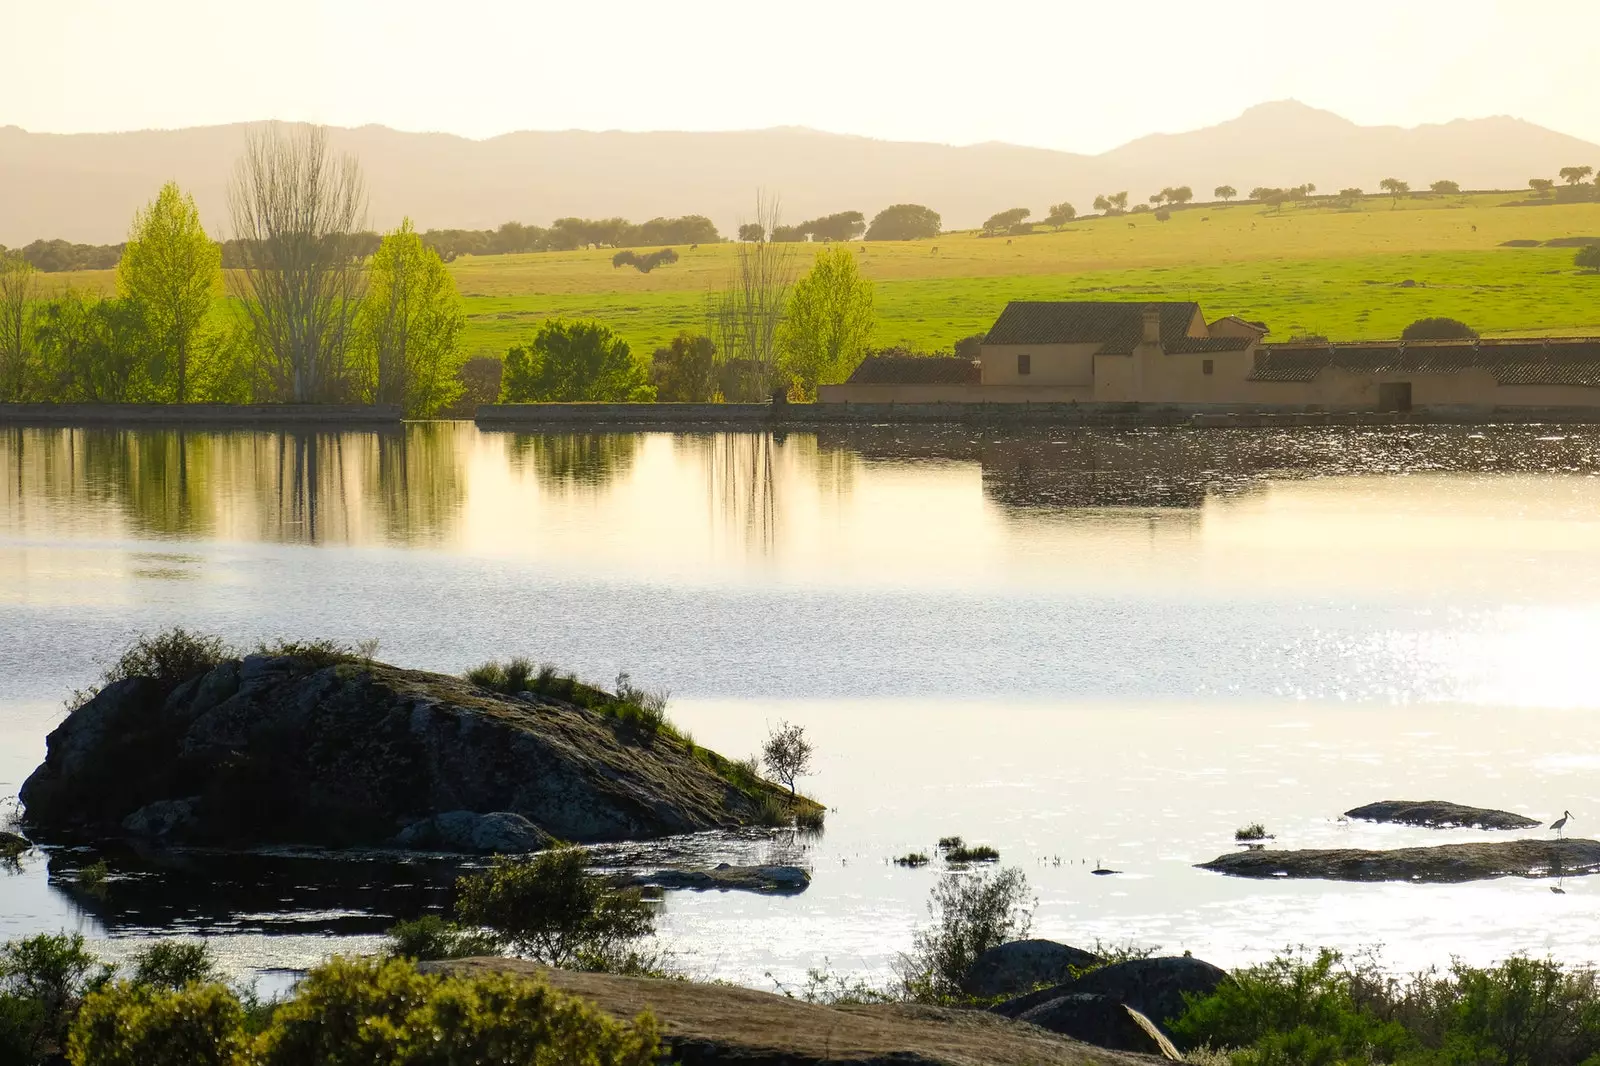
[{"x": 317, "y": 310}]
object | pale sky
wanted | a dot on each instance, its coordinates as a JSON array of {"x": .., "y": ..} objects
[{"x": 1060, "y": 74}]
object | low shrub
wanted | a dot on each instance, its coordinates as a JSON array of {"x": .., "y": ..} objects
[
  {"x": 810, "y": 817},
  {"x": 550, "y": 908},
  {"x": 432, "y": 937},
  {"x": 43, "y": 980},
  {"x": 1253, "y": 831},
  {"x": 772, "y": 811},
  {"x": 131, "y": 1024},
  {"x": 946, "y": 843},
  {"x": 971, "y": 913},
  {"x": 371, "y": 1011},
  {"x": 175, "y": 964},
  {"x": 916, "y": 858},
  {"x": 961, "y": 853},
  {"x": 319, "y": 654},
  {"x": 640, "y": 711},
  {"x": 170, "y": 658}
]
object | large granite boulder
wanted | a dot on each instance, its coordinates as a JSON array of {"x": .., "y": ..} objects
[
  {"x": 284, "y": 750},
  {"x": 1440, "y": 814},
  {"x": 1103, "y": 1022},
  {"x": 1474, "y": 860},
  {"x": 1023, "y": 965},
  {"x": 1153, "y": 987}
]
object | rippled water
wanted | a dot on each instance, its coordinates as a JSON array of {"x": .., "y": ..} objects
[{"x": 1081, "y": 647}]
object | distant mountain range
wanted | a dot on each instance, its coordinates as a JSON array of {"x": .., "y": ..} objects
[{"x": 85, "y": 187}]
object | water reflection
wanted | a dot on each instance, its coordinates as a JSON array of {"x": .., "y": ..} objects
[
  {"x": 405, "y": 485},
  {"x": 566, "y": 462}
]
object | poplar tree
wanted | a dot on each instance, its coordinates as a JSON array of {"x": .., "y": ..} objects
[
  {"x": 410, "y": 326},
  {"x": 829, "y": 322},
  {"x": 173, "y": 271}
]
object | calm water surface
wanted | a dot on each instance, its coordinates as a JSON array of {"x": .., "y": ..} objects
[{"x": 1079, "y": 647}]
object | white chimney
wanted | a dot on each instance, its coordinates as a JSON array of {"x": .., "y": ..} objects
[{"x": 1152, "y": 325}]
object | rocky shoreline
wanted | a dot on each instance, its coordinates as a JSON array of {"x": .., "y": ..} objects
[{"x": 1439, "y": 864}]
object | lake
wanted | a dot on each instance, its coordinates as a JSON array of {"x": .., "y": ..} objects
[{"x": 1083, "y": 647}]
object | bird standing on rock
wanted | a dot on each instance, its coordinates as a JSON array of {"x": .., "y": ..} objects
[{"x": 1560, "y": 823}]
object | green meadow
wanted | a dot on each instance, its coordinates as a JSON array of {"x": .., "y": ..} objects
[{"x": 1351, "y": 273}]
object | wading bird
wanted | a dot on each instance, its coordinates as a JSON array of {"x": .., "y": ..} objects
[{"x": 1560, "y": 823}]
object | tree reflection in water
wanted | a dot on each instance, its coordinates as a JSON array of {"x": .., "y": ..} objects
[{"x": 575, "y": 461}]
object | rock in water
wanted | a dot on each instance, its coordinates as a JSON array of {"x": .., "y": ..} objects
[
  {"x": 1440, "y": 814},
  {"x": 1103, "y": 1022},
  {"x": 279, "y": 750},
  {"x": 1014, "y": 968},
  {"x": 1440, "y": 864},
  {"x": 780, "y": 880}
]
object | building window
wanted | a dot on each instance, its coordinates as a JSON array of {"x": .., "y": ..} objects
[
  {"x": 1024, "y": 364},
  {"x": 1207, "y": 366}
]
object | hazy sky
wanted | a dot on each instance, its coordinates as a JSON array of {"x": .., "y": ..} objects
[{"x": 1055, "y": 73}]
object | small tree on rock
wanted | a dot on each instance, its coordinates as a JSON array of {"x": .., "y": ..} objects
[{"x": 787, "y": 754}]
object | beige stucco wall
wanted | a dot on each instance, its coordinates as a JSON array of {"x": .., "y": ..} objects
[
  {"x": 1052, "y": 364},
  {"x": 1181, "y": 377}
]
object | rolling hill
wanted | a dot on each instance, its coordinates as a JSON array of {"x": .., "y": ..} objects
[{"x": 85, "y": 187}]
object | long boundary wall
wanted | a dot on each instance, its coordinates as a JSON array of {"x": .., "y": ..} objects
[{"x": 334, "y": 416}]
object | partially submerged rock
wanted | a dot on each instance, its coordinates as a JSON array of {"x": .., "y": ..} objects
[
  {"x": 281, "y": 750},
  {"x": 1014, "y": 968},
  {"x": 711, "y": 1025},
  {"x": 1440, "y": 814},
  {"x": 1103, "y": 1022},
  {"x": 1154, "y": 987},
  {"x": 1440, "y": 864},
  {"x": 772, "y": 879}
]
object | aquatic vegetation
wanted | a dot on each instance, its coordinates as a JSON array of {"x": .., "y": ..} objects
[
  {"x": 962, "y": 853},
  {"x": 1253, "y": 831},
  {"x": 946, "y": 843},
  {"x": 915, "y": 858},
  {"x": 432, "y": 937}
]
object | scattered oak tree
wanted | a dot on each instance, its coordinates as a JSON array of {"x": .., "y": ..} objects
[
  {"x": 1542, "y": 187},
  {"x": 1588, "y": 258},
  {"x": 574, "y": 362},
  {"x": 1060, "y": 214},
  {"x": 686, "y": 370},
  {"x": 174, "y": 271},
  {"x": 410, "y": 325},
  {"x": 1575, "y": 175},
  {"x": 828, "y": 324},
  {"x": 1002, "y": 221},
  {"x": 1395, "y": 188},
  {"x": 904, "y": 222},
  {"x": 1444, "y": 188},
  {"x": 1224, "y": 192},
  {"x": 752, "y": 231},
  {"x": 1438, "y": 329}
]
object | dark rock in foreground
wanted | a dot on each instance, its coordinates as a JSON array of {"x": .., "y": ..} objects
[
  {"x": 1103, "y": 1022},
  {"x": 1153, "y": 987},
  {"x": 1441, "y": 864},
  {"x": 280, "y": 750},
  {"x": 773, "y": 879},
  {"x": 1014, "y": 968},
  {"x": 712, "y": 1025},
  {"x": 1440, "y": 814}
]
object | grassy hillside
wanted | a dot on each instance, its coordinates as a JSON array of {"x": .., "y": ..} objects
[{"x": 1311, "y": 268}]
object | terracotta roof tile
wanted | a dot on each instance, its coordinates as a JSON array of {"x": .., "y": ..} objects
[
  {"x": 916, "y": 370},
  {"x": 1116, "y": 325}
]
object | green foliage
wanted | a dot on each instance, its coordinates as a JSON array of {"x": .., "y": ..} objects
[
  {"x": 829, "y": 322},
  {"x": 1574, "y": 175},
  {"x": 1438, "y": 329},
  {"x": 946, "y": 843},
  {"x": 962, "y": 853},
  {"x": 1324, "y": 1009},
  {"x": 1225, "y": 192},
  {"x": 904, "y": 222},
  {"x": 432, "y": 937},
  {"x": 1588, "y": 257},
  {"x": 787, "y": 753},
  {"x": 1060, "y": 214},
  {"x": 549, "y": 907},
  {"x": 318, "y": 654},
  {"x": 1003, "y": 221},
  {"x": 647, "y": 262},
  {"x": 175, "y": 964},
  {"x": 686, "y": 370},
  {"x": 843, "y": 226},
  {"x": 639, "y": 709},
  {"x": 384, "y": 1012},
  {"x": 752, "y": 231},
  {"x": 43, "y": 979},
  {"x": 170, "y": 657},
  {"x": 915, "y": 858},
  {"x": 92, "y": 350},
  {"x": 408, "y": 345},
  {"x": 573, "y": 362},
  {"x": 133, "y": 1024},
  {"x": 173, "y": 271},
  {"x": 1445, "y": 188},
  {"x": 971, "y": 913},
  {"x": 1253, "y": 831}
]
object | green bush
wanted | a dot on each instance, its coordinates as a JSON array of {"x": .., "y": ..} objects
[
  {"x": 574, "y": 361},
  {"x": 1253, "y": 831},
  {"x": 961, "y": 853},
  {"x": 170, "y": 657},
  {"x": 432, "y": 937},
  {"x": 971, "y": 913},
  {"x": 43, "y": 979},
  {"x": 128, "y": 1024},
  {"x": 318, "y": 653},
  {"x": 549, "y": 907},
  {"x": 175, "y": 964},
  {"x": 641, "y": 711}
]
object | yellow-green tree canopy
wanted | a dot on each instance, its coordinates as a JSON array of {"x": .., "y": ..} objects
[
  {"x": 410, "y": 326},
  {"x": 829, "y": 322},
  {"x": 174, "y": 271}
]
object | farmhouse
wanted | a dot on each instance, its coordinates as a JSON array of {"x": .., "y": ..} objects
[{"x": 1108, "y": 352}]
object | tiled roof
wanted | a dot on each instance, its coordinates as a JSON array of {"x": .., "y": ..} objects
[
  {"x": 916, "y": 370},
  {"x": 1117, "y": 326},
  {"x": 1515, "y": 362},
  {"x": 1201, "y": 345}
]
